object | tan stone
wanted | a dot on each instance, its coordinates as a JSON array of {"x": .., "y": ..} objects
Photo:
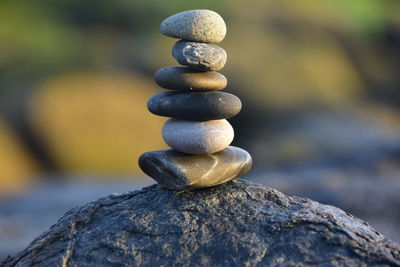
[
  {"x": 194, "y": 137},
  {"x": 188, "y": 79},
  {"x": 200, "y": 25}
]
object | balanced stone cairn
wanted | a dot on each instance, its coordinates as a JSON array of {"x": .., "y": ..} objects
[{"x": 198, "y": 131}]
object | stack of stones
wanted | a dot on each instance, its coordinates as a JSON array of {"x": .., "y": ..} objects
[{"x": 198, "y": 131}]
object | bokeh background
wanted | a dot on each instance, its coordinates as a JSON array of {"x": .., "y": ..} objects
[{"x": 319, "y": 82}]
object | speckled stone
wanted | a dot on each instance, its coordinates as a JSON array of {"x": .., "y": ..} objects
[
  {"x": 194, "y": 137},
  {"x": 200, "y": 56},
  {"x": 188, "y": 79},
  {"x": 199, "y": 106},
  {"x": 179, "y": 171},
  {"x": 195, "y": 25}
]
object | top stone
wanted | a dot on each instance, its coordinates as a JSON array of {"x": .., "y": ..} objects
[{"x": 200, "y": 25}]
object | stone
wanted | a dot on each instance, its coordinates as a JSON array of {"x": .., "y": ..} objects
[
  {"x": 200, "y": 25},
  {"x": 194, "y": 137},
  {"x": 199, "y": 106},
  {"x": 179, "y": 171},
  {"x": 234, "y": 224},
  {"x": 188, "y": 79},
  {"x": 200, "y": 56}
]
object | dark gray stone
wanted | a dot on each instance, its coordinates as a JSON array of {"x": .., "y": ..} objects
[
  {"x": 234, "y": 224},
  {"x": 179, "y": 171},
  {"x": 199, "y": 55},
  {"x": 200, "y": 25},
  {"x": 200, "y": 106},
  {"x": 188, "y": 79}
]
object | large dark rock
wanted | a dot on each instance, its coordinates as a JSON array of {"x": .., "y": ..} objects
[
  {"x": 370, "y": 195},
  {"x": 234, "y": 224}
]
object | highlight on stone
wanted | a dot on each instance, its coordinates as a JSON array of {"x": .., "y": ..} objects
[{"x": 198, "y": 133}]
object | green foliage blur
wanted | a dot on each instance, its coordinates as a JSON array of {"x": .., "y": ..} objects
[
  {"x": 283, "y": 56},
  {"x": 47, "y": 37}
]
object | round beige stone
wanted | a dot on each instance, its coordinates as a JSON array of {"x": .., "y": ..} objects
[
  {"x": 200, "y": 25},
  {"x": 194, "y": 137}
]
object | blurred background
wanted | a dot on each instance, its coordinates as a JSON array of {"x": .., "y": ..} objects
[{"x": 319, "y": 82}]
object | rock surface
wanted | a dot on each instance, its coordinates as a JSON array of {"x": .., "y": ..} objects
[
  {"x": 188, "y": 79},
  {"x": 194, "y": 137},
  {"x": 179, "y": 171},
  {"x": 234, "y": 224},
  {"x": 195, "y": 25},
  {"x": 199, "y": 106},
  {"x": 200, "y": 56},
  {"x": 368, "y": 194}
]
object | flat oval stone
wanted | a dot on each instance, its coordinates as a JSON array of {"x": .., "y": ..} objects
[
  {"x": 179, "y": 171},
  {"x": 188, "y": 79},
  {"x": 194, "y": 137},
  {"x": 198, "y": 106},
  {"x": 200, "y": 56},
  {"x": 200, "y": 25}
]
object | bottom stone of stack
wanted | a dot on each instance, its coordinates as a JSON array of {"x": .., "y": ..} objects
[{"x": 179, "y": 171}]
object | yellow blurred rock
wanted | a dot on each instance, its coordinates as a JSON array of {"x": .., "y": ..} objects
[
  {"x": 17, "y": 167},
  {"x": 290, "y": 58},
  {"x": 96, "y": 122}
]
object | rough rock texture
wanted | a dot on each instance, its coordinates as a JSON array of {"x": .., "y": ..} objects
[
  {"x": 368, "y": 194},
  {"x": 197, "y": 137},
  {"x": 51, "y": 196},
  {"x": 188, "y": 79},
  {"x": 180, "y": 171},
  {"x": 195, "y": 25},
  {"x": 234, "y": 224},
  {"x": 199, "y": 106},
  {"x": 200, "y": 56}
]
